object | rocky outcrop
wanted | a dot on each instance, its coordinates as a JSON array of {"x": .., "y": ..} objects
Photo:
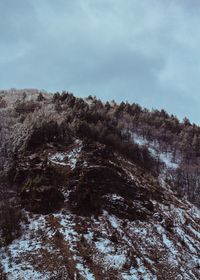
[
  {"x": 43, "y": 200},
  {"x": 103, "y": 178}
]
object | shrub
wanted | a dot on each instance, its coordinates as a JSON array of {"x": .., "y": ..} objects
[
  {"x": 2, "y": 103},
  {"x": 26, "y": 107}
]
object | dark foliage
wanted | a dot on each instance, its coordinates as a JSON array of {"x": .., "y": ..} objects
[
  {"x": 10, "y": 218},
  {"x": 42, "y": 200},
  {"x": 48, "y": 132},
  {"x": 26, "y": 107}
]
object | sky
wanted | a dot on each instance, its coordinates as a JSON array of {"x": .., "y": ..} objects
[{"x": 143, "y": 51}]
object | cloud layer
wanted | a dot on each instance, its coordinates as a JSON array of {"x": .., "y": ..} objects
[{"x": 140, "y": 51}]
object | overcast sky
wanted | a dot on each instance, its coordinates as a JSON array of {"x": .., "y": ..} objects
[{"x": 145, "y": 51}]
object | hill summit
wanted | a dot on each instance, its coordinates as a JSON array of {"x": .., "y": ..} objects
[{"x": 93, "y": 190}]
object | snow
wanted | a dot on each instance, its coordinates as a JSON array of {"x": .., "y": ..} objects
[
  {"x": 115, "y": 260},
  {"x": 68, "y": 158},
  {"x": 104, "y": 245},
  {"x": 66, "y": 221},
  {"x": 112, "y": 257},
  {"x": 195, "y": 211},
  {"x": 139, "y": 237},
  {"x": 14, "y": 264},
  {"x": 27, "y": 272},
  {"x": 67, "y": 227},
  {"x": 146, "y": 275},
  {"x": 195, "y": 232},
  {"x": 139, "y": 139},
  {"x": 114, "y": 197},
  {"x": 113, "y": 221},
  {"x": 59, "y": 158},
  {"x": 178, "y": 214},
  {"x": 88, "y": 236},
  {"x": 85, "y": 272},
  {"x": 31, "y": 243},
  {"x": 166, "y": 241},
  {"x": 138, "y": 273},
  {"x": 167, "y": 159},
  {"x": 187, "y": 240},
  {"x": 153, "y": 148},
  {"x": 73, "y": 156}
]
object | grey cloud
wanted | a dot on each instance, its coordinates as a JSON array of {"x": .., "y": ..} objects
[{"x": 140, "y": 51}]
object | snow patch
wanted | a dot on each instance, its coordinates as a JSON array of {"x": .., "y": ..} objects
[
  {"x": 153, "y": 148},
  {"x": 69, "y": 158},
  {"x": 59, "y": 158},
  {"x": 12, "y": 259},
  {"x": 85, "y": 272}
]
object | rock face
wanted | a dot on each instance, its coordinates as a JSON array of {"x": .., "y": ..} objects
[
  {"x": 88, "y": 212},
  {"x": 96, "y": 183},
  {"x": 43, "y": 200}
]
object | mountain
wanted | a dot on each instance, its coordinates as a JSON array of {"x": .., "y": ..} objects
[{"x": 93, "y": 190}]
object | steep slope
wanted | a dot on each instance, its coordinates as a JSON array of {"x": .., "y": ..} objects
[
  {"x": 89, "y": 208},
  {"x": 116, "y": 223}
]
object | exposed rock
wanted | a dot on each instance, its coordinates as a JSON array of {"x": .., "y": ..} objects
[
  {"x": 43, "y": 200},
  {"x": 98, "y": 184}
]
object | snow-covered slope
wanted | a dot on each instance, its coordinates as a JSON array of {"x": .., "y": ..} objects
[
  {"x": 90, "y": 204},
  {"x": 165, "y": 157},
  {"x": 141, "y": 232}
]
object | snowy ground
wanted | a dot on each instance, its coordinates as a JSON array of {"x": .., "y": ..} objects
[
  {"x": 68, "y": 158},
  {"x": 139, "y": 252},
  {"x": 153, "y": 147},
  {"x": 63, "y": 245}
]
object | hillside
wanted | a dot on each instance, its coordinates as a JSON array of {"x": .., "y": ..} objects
[{"x": 96, "y": 191}]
